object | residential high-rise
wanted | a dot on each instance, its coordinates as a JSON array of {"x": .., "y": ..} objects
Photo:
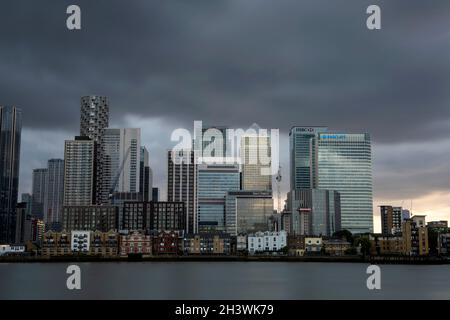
[
  {"x": 94, "y": 119},
  {"x": 54, "y": 195},
  {"x": 121, "y": 161},
  {"x": 391, "y": 220},
  {"x": 79, "y": 172},
  {"x": 315, "y": 212},
  {"x": 38, "y": 192},
  {"x": 214, "y": 181},
  {"x": 300, "y": 157},
  {"x": 256, "y": 162},
  {"x": 10, "y": 134},
  {"x": 182, "y": 184},
  {"x": 343, "y": 162}
]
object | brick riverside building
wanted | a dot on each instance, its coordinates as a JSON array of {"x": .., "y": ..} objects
[
  {"x": 135, "y": 243},
  {"x": 167, "y": 242}
]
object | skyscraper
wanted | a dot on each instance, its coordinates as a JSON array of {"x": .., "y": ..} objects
[
  {"x": 315, "y": 212},
  {"x": 39, "y": 192},
  {"x": 248, "y": 211},
  {"x": 343, "y": 162},
  {"x": 182, "y": 184},
  {"x": 300, "y": 160},
  {"x": 54, "y": 195},
  {"x": 146, "y": 176},
  {"x": 79, "y": 172},
  {"x": 94, "y": 119},
  {"x": 256, "y": 162},
  {"x": 10, "y": 134},
  {"x": 214, "y": 181},
  {"x": 121, "y": 160}
]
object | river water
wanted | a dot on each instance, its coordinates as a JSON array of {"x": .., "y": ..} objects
[{"x": 223, "y": 280}]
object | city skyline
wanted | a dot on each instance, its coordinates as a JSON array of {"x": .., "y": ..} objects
[{"x": 369, "y": 83}]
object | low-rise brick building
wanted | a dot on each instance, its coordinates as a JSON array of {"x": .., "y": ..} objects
[
  {"x": 336, "y": 247},
  {"x": 56, "y": 244},
  {"x": 135, "y": 242},
  {"x": 207, "y": 244},
  {"x": 167, "y": 242}
]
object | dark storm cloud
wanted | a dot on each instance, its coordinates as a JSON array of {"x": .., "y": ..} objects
[
  {"x": 296, "y": 62},
  {"x": 274, "y": 62}
]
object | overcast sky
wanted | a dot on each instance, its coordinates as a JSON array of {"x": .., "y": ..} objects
[{"x": 278, "y": 63}]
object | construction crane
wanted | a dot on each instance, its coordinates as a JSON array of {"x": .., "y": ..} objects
[
  {"x": 119, "y": 172},
  {"x": 278, "y": 179}
]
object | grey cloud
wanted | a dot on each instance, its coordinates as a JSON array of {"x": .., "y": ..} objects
[{"x": 278, "y": 63}]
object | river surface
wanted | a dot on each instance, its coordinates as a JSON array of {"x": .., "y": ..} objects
[{"x": 222, "y": 280}]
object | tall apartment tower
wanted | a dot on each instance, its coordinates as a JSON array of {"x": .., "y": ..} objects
[
  {"x": 300, "y": 157},
  {"x": 10, "y": 135},
  {"x": 256, "y": 162},
  {"x": 343, "y": 162},
  {"x": 39, "y": 192},
  {"x": 391, "y": 220},
  {"x": 94, "y": 119},
  {"x": 182, "y": 184},
  {"x": 54, "y": 196},
  {"x": 79, "y": 172}
]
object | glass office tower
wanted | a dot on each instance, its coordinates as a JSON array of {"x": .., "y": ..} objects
[
  {"x": 214, "y": 181},
  {"x": 248, "y": 211},
  {"x": 315, "y": 212},
  {"x": 10, "y": 134},
  {"x": 299, "y": 146},
  {"x": 343, "y": 162}
]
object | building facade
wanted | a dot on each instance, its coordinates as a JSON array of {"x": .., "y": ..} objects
[
  {"x": 94, "y": 119},
  {"x": 10, "y": 136},
  {"x": 182, "y": 184},
  {"x": 248, "y": 211},
  {"x": 54, "y": 196},
  {"x": 415, "y": 236},
  {"x": 314, "y": 211},
  {"x": 266, "y": 241},
  {"x": 39, "y": 192},
  {"x": 386, "y": 245},
  {"x": 23, "y": 224},
  {"x": 207, "y": 244},
  {"x": 391, "y": 220},
  {"x": 256, "y": 162},
  {"x": 167, "y": 243},
  {"x": 146, "y": 177},
  {"x": 90, "y": 218},
  {"x": 79, "y": 172},
  {"x": 135, "y": 243},
  {"x": 214, "y": 181},
  {"x": 300, "y": 155},
  {"x": 343, "y": 163},
  {"x": 56, "y": 244},
  {"x": 153, "y": 216}
]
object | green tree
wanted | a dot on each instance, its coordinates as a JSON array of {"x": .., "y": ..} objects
[
  {"x": 365, "y": 245},
  {"x": 344, "y": 235}
]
